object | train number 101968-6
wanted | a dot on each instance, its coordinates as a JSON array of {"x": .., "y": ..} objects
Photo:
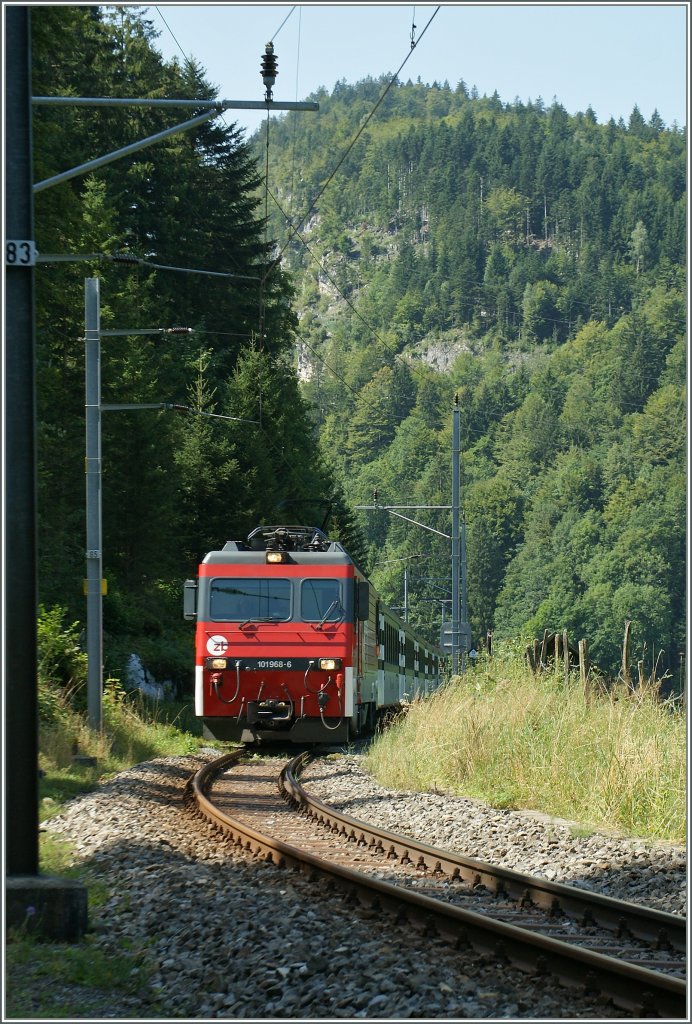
[{"x": 274, "y": 663}]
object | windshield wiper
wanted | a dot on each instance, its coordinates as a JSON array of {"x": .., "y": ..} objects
[
  {"x": 256, "y": 619},
  {"x": 336, "y": 603}
]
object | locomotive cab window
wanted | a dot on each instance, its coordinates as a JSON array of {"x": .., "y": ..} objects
[
  {"x": 320, "y": 601},
  {"x": 248, "y": 600}
]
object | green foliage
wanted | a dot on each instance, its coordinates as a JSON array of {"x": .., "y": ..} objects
[
  {"x": 545, "y": 248},
  {"x": 50, "y": 980},
  {"x": 135, "y": 729},
  {"x": 173, "y": 485},
  {"x": 531, "y": 261},
  {"x": 44, "y": 979},
  {"x": 62, "y": 663}
]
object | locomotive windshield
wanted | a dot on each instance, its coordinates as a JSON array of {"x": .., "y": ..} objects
[
  {"x": 320, "y": 601},
  {"x": 271, "y": 599},
  {"x": 242, "y": 600}
]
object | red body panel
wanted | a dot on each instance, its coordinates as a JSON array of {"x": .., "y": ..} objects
[
  {"x": 259, "y": 645},
  {"x": 273, "y": 656}
]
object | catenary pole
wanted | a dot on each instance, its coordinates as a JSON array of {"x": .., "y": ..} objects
[
  {"x": 94, "y": 408},
  {"x": 459, "y": 619},
  {"x": 20, "y": 591},
  {"x": 456, "y": 553},
  {"x": 20, "y": 543},
  {"x": 94, "y": 554},
  {"x": 214, "y": 108},
  {"x": 465, "y": 628}
]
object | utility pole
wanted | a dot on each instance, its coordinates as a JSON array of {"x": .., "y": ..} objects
[
  {"x": 465, "y": 639},
  {"x": 213, "y": 109},
  {"x": 460, "y": 630},
  {"x": 94, "y": 583},
  {"x": 59, "y": 905},
  {"x": 94, "y": 407},
  {"x": 94, "y": 556},
  {"x": 460, "y": 625},
  {"x": 20, "y": 635},
  {"x": 456, "y": 545}
]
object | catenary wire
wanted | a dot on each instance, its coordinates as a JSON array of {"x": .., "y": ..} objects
[
  {"x": 353, "y": 142},
  {"x": 296, "y": 229},
  {"x": 185, "y": 56},
  {"x": 414, "y": 42},
  {"x": 283, "y": 23}
]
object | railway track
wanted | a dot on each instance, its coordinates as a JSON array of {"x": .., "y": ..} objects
[{"x": 631, "y": 954}]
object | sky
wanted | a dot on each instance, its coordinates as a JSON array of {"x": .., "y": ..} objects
[{"x": 607, "y": 56}]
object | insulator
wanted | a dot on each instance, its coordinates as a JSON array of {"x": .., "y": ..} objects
[
  {"x": 269, "y": 69},
  {"x": 125, "y": 257}
]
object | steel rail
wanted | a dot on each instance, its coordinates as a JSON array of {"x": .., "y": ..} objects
[
  {"x": 639, "y": 989},
  {"x": 653, "y": 926}
]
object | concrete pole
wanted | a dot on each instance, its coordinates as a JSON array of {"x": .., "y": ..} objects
[
  {"x": 464, "y": 600},
  {"x": 456, "y": 551},
  {"x": 94, "y": 565}
]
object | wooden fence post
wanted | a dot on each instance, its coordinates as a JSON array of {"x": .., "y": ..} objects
[
  {"x": 626, "y": 655},
  {"x": 557, "y": 652},
  {"x": 544, "y": 649},
  {"x": 565, "y": 652},
  {"x": 583, "y": 665}
]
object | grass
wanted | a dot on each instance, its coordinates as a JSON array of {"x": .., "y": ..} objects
[
  {"x": 56, "y": 980},
  {"x": 498, "y": 734},
  {"x": 135, "y": 729},
  {"x": 502, "y": 735}
]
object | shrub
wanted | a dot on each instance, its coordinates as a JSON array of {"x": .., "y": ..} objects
[{"x": 61, "y": 660}]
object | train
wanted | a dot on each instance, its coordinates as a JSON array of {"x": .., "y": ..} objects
[{"x": 293, "y": 643}]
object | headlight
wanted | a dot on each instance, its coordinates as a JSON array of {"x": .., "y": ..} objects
[
  {"x": 216, "y": 663},
  {"x": 329, "y": 664},
  {"x": 277, "y": 556}
]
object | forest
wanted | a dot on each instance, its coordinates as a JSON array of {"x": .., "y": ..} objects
[{"x": 528, "y": 261}]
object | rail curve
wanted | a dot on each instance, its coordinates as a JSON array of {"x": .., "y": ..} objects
[{"x": 319, "y": 839}]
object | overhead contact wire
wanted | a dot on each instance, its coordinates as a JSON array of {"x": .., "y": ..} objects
[{"x": 358, "y": 134}]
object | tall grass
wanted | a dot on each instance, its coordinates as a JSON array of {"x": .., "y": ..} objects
[
  {"x": 135, "y": 729},
  {"x": 513, "y": 739}
]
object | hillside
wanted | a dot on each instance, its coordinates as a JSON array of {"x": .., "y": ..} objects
[
  {"x": 528, "y": 260},
  {"x": 533, "y": 262}
]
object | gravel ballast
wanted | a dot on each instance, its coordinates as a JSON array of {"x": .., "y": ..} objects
[
  {"x": 220, "y": 935},
  {"x": 650, "y": 873}
]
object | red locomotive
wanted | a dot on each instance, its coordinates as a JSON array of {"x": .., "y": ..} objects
[{"x": 294, "y": 644}]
